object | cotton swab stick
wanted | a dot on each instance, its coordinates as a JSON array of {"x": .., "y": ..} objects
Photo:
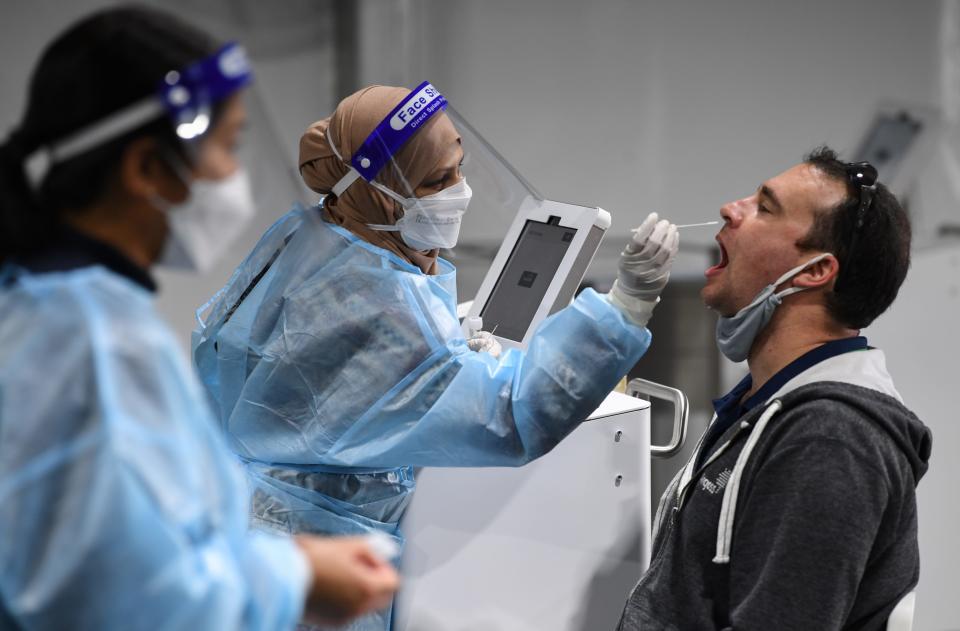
[{"x": 697, "y": 225}]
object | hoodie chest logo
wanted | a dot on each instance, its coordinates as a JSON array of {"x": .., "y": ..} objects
[{"x": 718, "y": 484}]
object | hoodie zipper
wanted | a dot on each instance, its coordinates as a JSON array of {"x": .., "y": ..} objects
[
  {"x": 719, "y": 452},
  {"x": 678, "y": 503}
]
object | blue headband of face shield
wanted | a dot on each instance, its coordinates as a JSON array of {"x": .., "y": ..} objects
[
  {"x": 185, "y": 96},
  {"x": 391, "y": 134}
]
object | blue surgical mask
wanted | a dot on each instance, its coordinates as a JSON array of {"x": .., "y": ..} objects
[{"x": 736, "y": 333}]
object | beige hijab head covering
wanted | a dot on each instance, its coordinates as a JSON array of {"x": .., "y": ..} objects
[{"x": 361, "y": 204}]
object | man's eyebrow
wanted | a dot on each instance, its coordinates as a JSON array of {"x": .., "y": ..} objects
[{"x": 768, "y": 192}]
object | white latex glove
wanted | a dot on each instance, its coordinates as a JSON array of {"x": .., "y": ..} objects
[
  {"x": 483, "y": 341},
  {"x": 644, "y": 268},
  {"x": 385, "y": 548}
]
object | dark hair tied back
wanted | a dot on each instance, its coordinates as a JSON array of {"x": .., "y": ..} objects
[{"x": 20, "y": 213}]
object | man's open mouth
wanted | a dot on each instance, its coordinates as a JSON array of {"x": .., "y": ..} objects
[{"x": 723, "y": 261}]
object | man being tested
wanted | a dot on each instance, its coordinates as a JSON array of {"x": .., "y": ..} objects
[{"x": 798, "y": 507}]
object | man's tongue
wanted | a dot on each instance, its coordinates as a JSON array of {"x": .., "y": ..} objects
[{"x": 719, "y": 266}]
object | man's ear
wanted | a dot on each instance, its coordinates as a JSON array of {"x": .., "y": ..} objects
[
  {"x": 819, "y": 274},
  {"x": 144, "y": 174}
]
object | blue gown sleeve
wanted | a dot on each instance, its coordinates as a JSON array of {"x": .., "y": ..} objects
[
  {"x": 484, "y": 412},
  {"x": 367, "y": 367},
  {"x": 122, "y": 507}
]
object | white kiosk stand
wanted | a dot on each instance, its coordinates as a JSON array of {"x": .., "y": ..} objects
[{"x": 557, "y": 544}]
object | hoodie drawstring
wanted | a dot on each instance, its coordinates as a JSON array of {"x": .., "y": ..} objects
[{"x": 728, "y": 508}]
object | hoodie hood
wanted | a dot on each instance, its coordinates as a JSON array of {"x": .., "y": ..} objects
[
  {"x": 865, "y": 368},
  {"x": 873, "y": 395}
]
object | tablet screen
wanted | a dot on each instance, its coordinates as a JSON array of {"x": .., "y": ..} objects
[{"x": 523, "y": 283}]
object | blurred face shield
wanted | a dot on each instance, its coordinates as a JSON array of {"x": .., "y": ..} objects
[
  {"x": 186, "y": 96},
  {"x": 219, "y": 201},
  {"x": 434, "y": 165}
]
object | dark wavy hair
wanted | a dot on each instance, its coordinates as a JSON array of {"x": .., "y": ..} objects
[{"x": 101, "y": 64}]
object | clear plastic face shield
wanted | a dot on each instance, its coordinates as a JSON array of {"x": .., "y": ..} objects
[
  {"x": 438, "y": 170},
  {"x": 219, "y": 201},
  {"x": 186, "y": 96}
]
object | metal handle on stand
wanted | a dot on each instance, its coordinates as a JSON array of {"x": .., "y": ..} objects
[{"x": 681, "y": 410}]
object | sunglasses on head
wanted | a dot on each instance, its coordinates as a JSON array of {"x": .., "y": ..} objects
[{"x": 863, "y": 176}]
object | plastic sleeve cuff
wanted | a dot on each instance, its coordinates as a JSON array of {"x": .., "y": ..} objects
[
  {"x": 636, "y": 310},
  {"x": 286, "y": 571}
]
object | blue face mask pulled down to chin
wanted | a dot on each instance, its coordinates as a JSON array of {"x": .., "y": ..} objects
[{"x": 736, "y": 333}]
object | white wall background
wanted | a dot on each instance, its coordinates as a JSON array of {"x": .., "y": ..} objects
[{"x": 632, "y": 106}]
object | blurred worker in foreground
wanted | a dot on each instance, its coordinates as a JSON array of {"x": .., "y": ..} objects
[
  {"x": 334, "y": 354},
  {"x": 798, "y": 508},
  {"x": 122, "y": 506}
]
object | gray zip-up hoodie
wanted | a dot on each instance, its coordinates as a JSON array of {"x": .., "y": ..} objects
[{"x": 804, "y": 516}]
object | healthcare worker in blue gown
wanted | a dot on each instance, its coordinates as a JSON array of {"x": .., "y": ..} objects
[
  {"x": 334, "y": 355},
  {"x": 121, "y": 506}
]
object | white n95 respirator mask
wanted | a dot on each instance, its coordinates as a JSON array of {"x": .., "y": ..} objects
[
  {"x": 432, "y": 221},
  {"x": 203, "y": 226}
]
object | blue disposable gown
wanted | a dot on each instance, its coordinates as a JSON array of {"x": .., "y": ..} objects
[
  {"x": 122, "y": 507},
  {"x": 336, "y": 367}
]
